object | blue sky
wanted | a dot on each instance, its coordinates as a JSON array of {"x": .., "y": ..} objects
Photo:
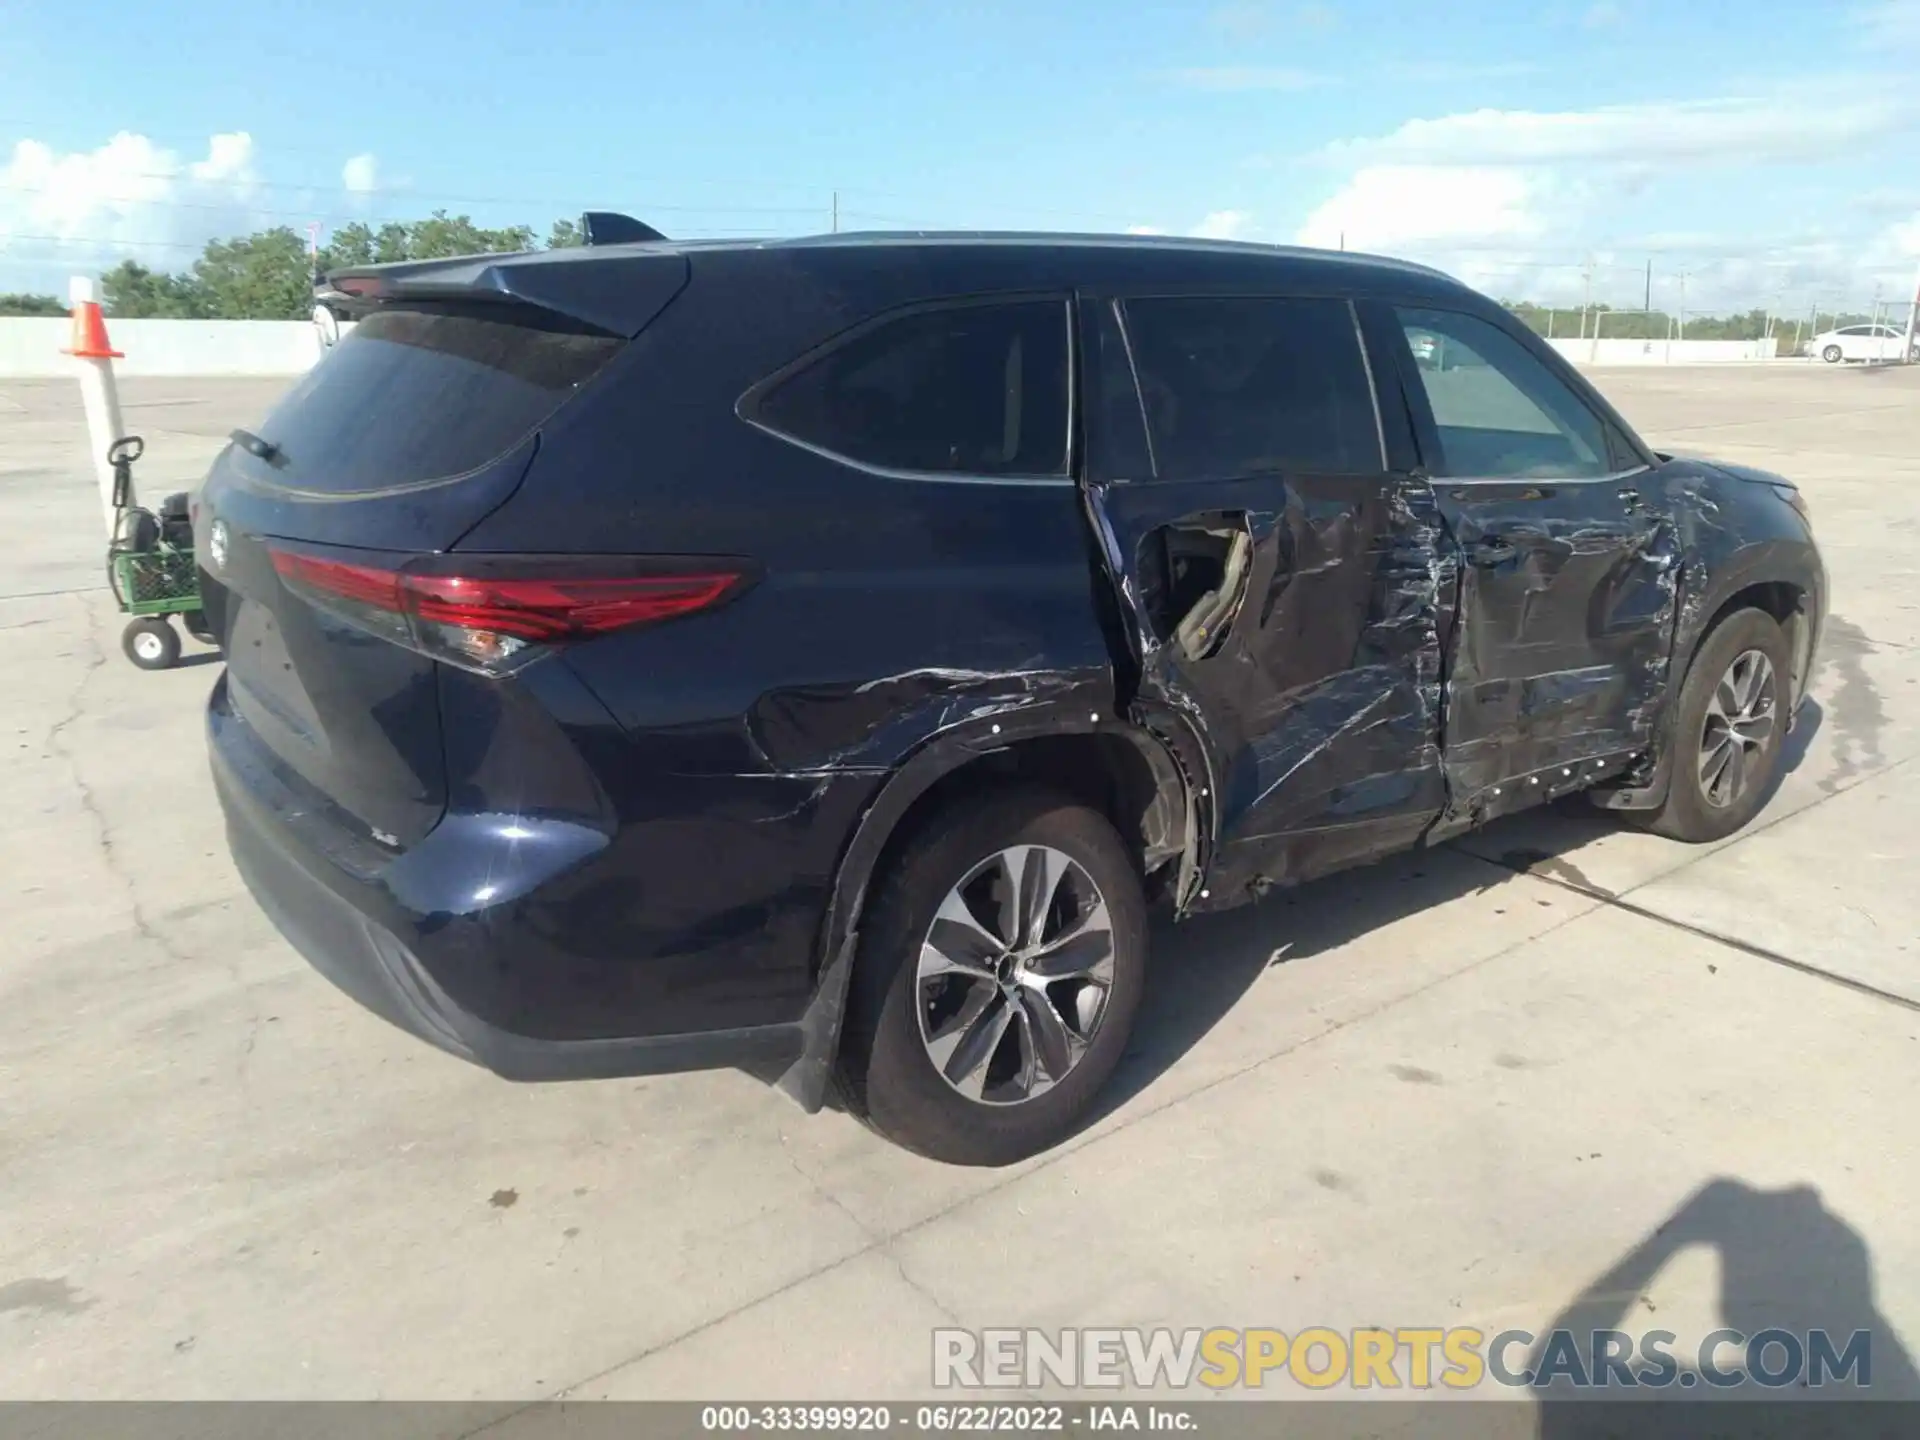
[{"x": 1770, "y": 151}]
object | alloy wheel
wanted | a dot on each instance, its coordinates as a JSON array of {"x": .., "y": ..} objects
[
  {"x": 1739, "y": 722},
  {"x": 1013, "y": 976}
]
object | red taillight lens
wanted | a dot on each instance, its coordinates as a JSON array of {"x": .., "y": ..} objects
[
  {"x": 489, "y": 612},
  {"x": 549, "y": 610}
]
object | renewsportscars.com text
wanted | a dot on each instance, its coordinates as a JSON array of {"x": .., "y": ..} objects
[{"x": 1413, "y": 1358}]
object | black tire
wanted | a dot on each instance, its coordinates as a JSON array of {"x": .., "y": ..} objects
[
  {"x": 889, "y": 1077},
  {"x": 151, "y": 643},
  {"x": 1832, "y": 355},
  {"x": 1688, "y": 813}
]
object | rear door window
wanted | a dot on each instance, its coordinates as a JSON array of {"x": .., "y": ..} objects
[
  {"x": 1501, "y": 414},
  {"x": 974, "y": 389},
  {"x": 1249, "y": 385},
  {"x": 415, "y": 395}
]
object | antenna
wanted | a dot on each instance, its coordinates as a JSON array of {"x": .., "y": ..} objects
[{"x": 607, "y": 227}]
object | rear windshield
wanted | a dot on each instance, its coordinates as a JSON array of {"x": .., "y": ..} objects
[{"x": 415, "y": 395}]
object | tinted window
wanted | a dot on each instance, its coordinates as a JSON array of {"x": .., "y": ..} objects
[
  {"x": 413, "y": 395},
  {"x": 1500, "y": 412},
  {"x": 975, "y": 389},
  {"x": 1244, "y": 386}
]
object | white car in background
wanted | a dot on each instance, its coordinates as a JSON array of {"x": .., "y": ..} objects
[{"x": 1858, "y": 342}]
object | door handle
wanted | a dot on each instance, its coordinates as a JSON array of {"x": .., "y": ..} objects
[
  {"x": 1491, "y": 550},
  {"x": 1630, "y": 497}
]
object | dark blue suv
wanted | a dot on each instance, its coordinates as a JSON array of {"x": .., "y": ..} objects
[{"x": 817, "y": 657}]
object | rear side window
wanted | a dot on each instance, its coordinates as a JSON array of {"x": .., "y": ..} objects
[
  {"x": 1248, "y": 385},
  {"x": 416, "y": 395},
  {"x": 968, "y": 389}
]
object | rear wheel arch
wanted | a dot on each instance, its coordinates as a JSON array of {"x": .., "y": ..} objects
[
  {"x": 1117, "y": 767},
  {"x": 1126, "y": 775}
]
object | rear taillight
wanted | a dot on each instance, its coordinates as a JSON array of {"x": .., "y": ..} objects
[{"x": 493, "y": 613}]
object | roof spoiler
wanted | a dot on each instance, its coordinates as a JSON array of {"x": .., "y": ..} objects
[{"x": 605, "y": 227}]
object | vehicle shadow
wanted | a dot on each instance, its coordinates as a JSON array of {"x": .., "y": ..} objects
[
  {"x": 1788, "y": 1263},
  {"x": 1200, "y": 969}
]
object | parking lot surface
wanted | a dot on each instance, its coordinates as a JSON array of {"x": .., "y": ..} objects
[{"x": 1466, "y": 1087}]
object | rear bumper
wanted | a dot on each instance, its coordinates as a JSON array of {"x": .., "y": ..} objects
[{"x": 349, "y": 927}]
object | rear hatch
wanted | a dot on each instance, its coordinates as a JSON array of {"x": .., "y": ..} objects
[{"x": 416, "y": 426}]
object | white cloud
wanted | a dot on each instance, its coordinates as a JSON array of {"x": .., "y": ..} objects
[
  {"x": 1602, "y": 15},
  {"x": 1250, "y": 18},
  {"x": 1388, "y": 207},
  {"x": 1453, "y": 72},
  {"x": 134, "y": 199},
  {"x": 1747, "y": 131},
  {"x": 129, "y": 198},
  {"x": 1889, "y": 24},
  {"x": 1144, "y": 230},
  {"x": 1516, "y": 202},
  {"x": 1224, "y": 225},
  {"x": 1237, "y": 78},
  {"x": 359, "y": 175}
]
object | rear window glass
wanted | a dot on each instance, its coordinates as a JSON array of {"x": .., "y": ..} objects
[
  {"x": 971, "y": 389},
  {"x": 1242, "y": 386},
  {"x": 414, "y": 395}
]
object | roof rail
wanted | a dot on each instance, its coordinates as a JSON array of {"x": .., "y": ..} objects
[{"x": 605, "y": 227}]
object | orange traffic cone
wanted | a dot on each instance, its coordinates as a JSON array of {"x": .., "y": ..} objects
[{"x": 90, "y": 334}]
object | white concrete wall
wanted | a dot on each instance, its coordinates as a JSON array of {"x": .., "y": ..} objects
[
  {"x": 167, "y": 347},
  {"x": 1665, "y": 352}
]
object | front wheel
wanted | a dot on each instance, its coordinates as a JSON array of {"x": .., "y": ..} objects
[
  {"x": 151, "y": 643},
  {"x": 1831, "y": 355},
  {"x": 1729, "y": 730},
  {"x": 998, "y": 979}
]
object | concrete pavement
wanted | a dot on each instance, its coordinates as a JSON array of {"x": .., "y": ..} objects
[{"x": 1457, "y": 1088}]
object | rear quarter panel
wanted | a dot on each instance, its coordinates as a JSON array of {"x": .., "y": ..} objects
[{"x": 889, "y": 612}]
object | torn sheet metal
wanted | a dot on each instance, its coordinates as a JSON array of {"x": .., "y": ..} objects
[
  {"x": 871, "y": 723},
  {"x": 1730, "y": 538},
  {"x": 1316, "y": 697},
  {"x": 1567, "y": 601}
]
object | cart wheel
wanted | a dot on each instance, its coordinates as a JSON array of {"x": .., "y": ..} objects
[{"x": 151, "y": 644}]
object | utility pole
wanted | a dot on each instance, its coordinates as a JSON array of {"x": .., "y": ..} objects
[
  {"x": 836, "y": 212},
  {"x": 1586, "y": 297},
  {"x": 1648, "y": 307},
  {"x": 1683, "y": 306},
  {"x": 1343, "y": 240}
]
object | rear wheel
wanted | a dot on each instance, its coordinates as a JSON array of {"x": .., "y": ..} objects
[
  {"x": 998, "y": 979},
  {"x": 1831, "y": 355},
  {"x": 1729, "y": 729},
  {"x": 151, "y": 643}
]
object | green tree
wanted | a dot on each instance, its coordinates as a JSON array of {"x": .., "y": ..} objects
[
  {"x": 565, "y": 235},
  {"x": 263, "y": 276},
  {"x": 31, "y": 305},
  {"x": 441, "y": 236},
  {"x": 134, "y": 292},
  {"x": 268, "y": 275}
]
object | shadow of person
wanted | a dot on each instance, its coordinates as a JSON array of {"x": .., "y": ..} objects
[{"x": 1788, "y": 1264}]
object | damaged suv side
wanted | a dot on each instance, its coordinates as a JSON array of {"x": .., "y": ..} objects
[{"x": 991, "y": 589}]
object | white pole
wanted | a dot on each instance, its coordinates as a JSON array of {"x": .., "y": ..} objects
[
  {"x": 98, "y": 394},
  {"x": 1913, "y": 317}
]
